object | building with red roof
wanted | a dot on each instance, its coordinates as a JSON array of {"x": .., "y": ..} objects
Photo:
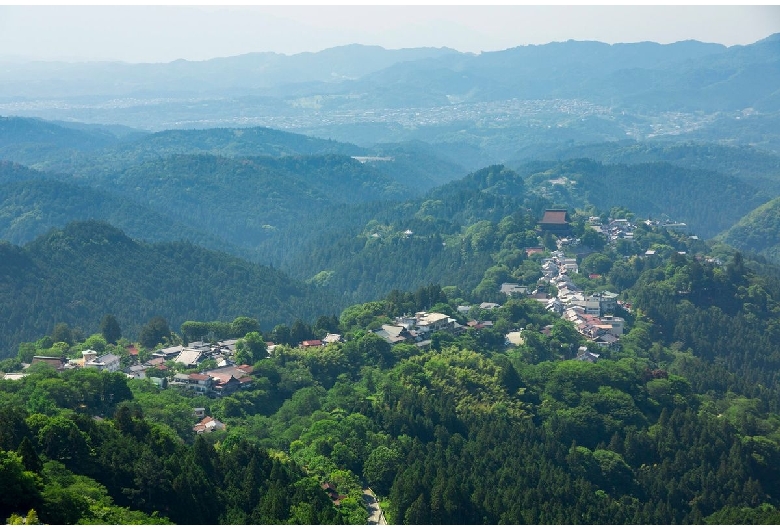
[{"x": 555, "y": 221}]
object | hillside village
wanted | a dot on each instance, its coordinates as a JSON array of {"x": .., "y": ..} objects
[{"x": 594, "y": 315}]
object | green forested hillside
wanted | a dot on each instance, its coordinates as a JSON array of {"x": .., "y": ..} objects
[
  {"x": 31, "y": 141},
  {"x": 445, "y": 237},
  {"x": 68, "y": 467},
  {"x": 211, "y": 184},
  {"x": 77, "y": 274},
  {"x": 236, "y": 200},
  {"x": 758, "y": 232},
  {"x": 52, "y": 146},
  {"x": 13, "y": 172},
  {"x": 251, "y": 141},
  {"x": 708, "y": 202},
  {"x": 241, "y": 200},
  {"x": 413, "y": 164},
  {"x": 31, "y": 208},
  {"x": 457, "y": 228}
]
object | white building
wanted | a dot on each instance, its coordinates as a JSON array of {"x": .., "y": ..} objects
[{"x": 108, "y": 363}]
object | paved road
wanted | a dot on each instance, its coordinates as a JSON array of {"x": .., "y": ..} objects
[{"x": 375, "y": 515}]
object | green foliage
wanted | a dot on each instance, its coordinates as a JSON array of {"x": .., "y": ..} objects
[
  {"x": 62, "y": 333},
  {"x": 243, "y": 325},
  {"x": 155, "y": 332},
  {"x": 109, "y": 328},
  {"x": 381, "y": 467},
  {"x": 359, "y": 316},
  {"x": 251, "y": 348},
  {"x": 596, "y": 263},
  {"x": 18, "y": 488}
]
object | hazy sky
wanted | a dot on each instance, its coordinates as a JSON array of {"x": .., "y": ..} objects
[{"x": 162, "y": 34}]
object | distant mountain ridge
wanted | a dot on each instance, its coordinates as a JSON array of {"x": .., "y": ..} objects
[
  {"x": 247, "y": 72},
  {"x": 85, "y": 150},
  {"x": 687, "y": 76}
]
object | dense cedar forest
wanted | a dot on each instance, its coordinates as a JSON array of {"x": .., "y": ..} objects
[{"x": 125, "y": 243}]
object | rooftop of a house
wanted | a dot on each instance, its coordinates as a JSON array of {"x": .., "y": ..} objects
[
  {"x": 331, "y": 338},
  {"x": 208, "y": 424},
  {"x": 554, "y": 217},
  {"x": 425, "y": 319},
  {"x": 189, "y": 356},
  {"x": 224, "y": 374}
]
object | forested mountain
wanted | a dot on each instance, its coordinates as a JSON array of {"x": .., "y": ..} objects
[
  {"x": 758, "y": 232},
  {"x": 707, "y": 201},
  {"x": 446, "y": 237},
  {"x": 225, "y": 75},
  {"x": 29, "y": 141},
  {"x": 77, "y": 274},
  {"x": 89, "y": 151},
  {"x": 456, "y": 228},
  {"x": 234, "y": 200},
  {"x": 240, "y": 200},
  {"x": 30, "y": 208},
  {"x": 414, "y": 165},
  {"x": 48, "y": 145},
  {"x": 66, "y": 149}
]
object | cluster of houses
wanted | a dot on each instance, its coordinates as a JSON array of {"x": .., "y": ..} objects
[
  {"x": 417, "y": 329},
  {"x": 222, "y": 380},
  {"x": 89, "y": 359},
  {"x": 615, "y": 229},
  {"x": 592, "y": 315}
]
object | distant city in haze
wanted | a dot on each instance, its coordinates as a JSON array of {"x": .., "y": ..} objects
[{"x": 167, "y": 33}]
